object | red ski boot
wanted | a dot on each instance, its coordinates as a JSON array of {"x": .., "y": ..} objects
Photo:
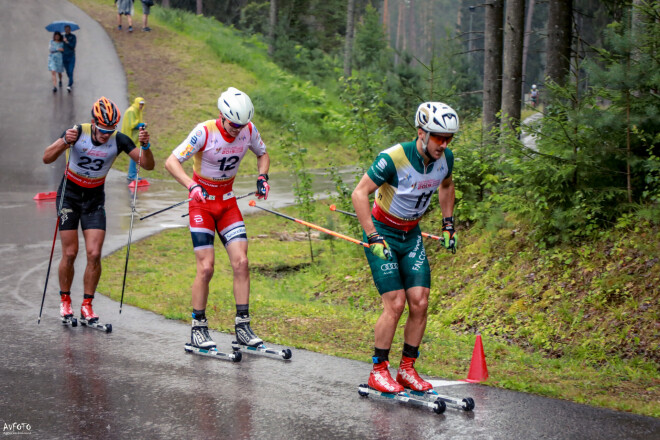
[
  {"x": 86, "y": 312},
  {"x": 381, "y": 380},
  {"x": 65, "y": 306},
  {"x": 408, "y": 377}
]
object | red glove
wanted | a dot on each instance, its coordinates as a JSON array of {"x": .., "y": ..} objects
[
  {"x": 197, "y": 193},
  {"x": 262, "y": 186}
]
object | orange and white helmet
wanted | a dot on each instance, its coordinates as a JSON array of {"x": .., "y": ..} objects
[
  {"x": 236, "y": 106},
  {"x": 105, "y": 112}
]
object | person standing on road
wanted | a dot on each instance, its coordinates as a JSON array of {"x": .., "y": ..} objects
[
  {"x": 146, "y": 8},
  {"x": 404, "y": 178},
  {"x": 55, "y": 64},
  {"x": 69, "y": 55},
  {"x": 217, "y": 148},
  {"x": 91, "y": 150},
  {"x": 125, "y": 7},
  {"x": 131, "y": 125}
]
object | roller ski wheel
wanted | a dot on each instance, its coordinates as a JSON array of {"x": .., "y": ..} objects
[
  {"x": 438, "y": 405},
  {"x": 96, "y": 325},
  {"x": 261, "y": 349},
  {"x": 468, "y": 404},
  {"x": 213, "y": 352},
  {"x": 70, "y": 320}
]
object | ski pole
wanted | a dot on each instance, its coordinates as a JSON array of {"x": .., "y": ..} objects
[
  {"x": 237, "y": 198},
  {"x": 130, "y": 229},
  {"x": 311, "y": 225},
  {"x": 352, "y": 214},
  {"x": 166, "y": 209},
  {"x": 57, "y": 226}
]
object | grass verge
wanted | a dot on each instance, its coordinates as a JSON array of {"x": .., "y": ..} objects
[{"x": 331, "y": 306}]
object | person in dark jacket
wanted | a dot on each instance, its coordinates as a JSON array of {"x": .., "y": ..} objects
[{"x": 69, "y": 55}]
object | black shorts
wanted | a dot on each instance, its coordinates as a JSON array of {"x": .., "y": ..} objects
[{"x": 81, "y": 205}]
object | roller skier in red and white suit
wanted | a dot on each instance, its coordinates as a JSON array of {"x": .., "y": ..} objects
[{"x": 217, "y": 147}]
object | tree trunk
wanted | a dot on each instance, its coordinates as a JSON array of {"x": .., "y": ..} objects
[
  {"x": 413, "y": 30},
  {"x": 348, "y": 46},
  {"x": 272, "y": 23},
  {"x": 166, "y": 4},
  {"x": 512, "y": 63},
  {"x": 399, "y": 32},
  {"x": 492, "y": 96},
  {"x": 558, "y": 45},
  {"x": 528, "y": 34},
  {"x": 199, "y": 7}
]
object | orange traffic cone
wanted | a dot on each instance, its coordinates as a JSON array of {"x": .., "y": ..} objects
[
  {"x": 478, "y": 369},
  {"x": 45, "y": 195},
  {"x": 142, "y": 182}
]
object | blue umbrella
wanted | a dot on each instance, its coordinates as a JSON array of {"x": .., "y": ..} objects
[{"x": 58, "y": 26}]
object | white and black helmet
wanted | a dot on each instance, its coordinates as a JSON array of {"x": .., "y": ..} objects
[
  {"x": 436, "y": 117},
  {"x": 236, "y": 106}
]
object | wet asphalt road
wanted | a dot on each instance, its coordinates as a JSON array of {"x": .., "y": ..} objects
[{"x": 137, "y": 382}]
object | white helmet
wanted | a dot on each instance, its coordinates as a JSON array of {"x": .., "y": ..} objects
[
  {"x": 533, "y": 86},
  {"x": 436, "y": 117},
  {"x": 236, "y": 106}
]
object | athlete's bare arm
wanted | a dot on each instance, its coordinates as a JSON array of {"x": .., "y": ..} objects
[
  {"x": 54, "y": 150},
  {"x": 263, "y": 163},
  {"x": 446, "y": 197},
  {"x": 147, "y": 161},
  {"x": 60, "y": 145},
  {"x": 175, "y": 168},
  {"x": 360, "y": 198}
]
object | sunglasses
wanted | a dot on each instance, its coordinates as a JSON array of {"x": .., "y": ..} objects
[
  {"x": 104, "y": 130},
  {"x": 442, "y": 137},
  {"x": 233, "y": 125}
]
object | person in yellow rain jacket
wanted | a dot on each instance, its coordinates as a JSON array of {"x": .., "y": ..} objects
[{"x": 131, "y": 125}]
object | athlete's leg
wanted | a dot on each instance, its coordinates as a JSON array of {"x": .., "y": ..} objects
[
  {"x": 200, "y": 289},
  {"x": 393, "y": 304},
  {"x": 93, "y": 245},
  {"x": 65, "y": 272},
  {"x": 418, "y": 304},
  {"x": 237, "y": 251}
]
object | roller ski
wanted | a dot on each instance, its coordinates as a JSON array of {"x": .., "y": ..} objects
[
  {"x": 438, "y": 406},
  {"x": 247, "y": 340},
  {"x": 66, "y": 312},
  {"x": 465, "y": 404},
  {"x": 90, "y": 319},
  {"x": 417, "y": 387},
  {"x": 201, "y": 343},
  {"x": 382, "y": 385},
  {"x": 262, "y": 349}
]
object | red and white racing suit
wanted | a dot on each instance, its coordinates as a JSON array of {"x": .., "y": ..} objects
[{"x": 216, "y": 157}]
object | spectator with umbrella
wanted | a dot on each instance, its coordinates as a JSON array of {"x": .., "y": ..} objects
[
  {"x": 55, "y": 64},
  {"x": 69, "y": 55}
]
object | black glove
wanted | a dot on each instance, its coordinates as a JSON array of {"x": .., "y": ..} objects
[
  {"x": 262, "y": 186},
  {"x": 449, "y": 234}
]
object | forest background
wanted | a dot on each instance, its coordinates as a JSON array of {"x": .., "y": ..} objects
[{"x": 558, "y": 266}]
